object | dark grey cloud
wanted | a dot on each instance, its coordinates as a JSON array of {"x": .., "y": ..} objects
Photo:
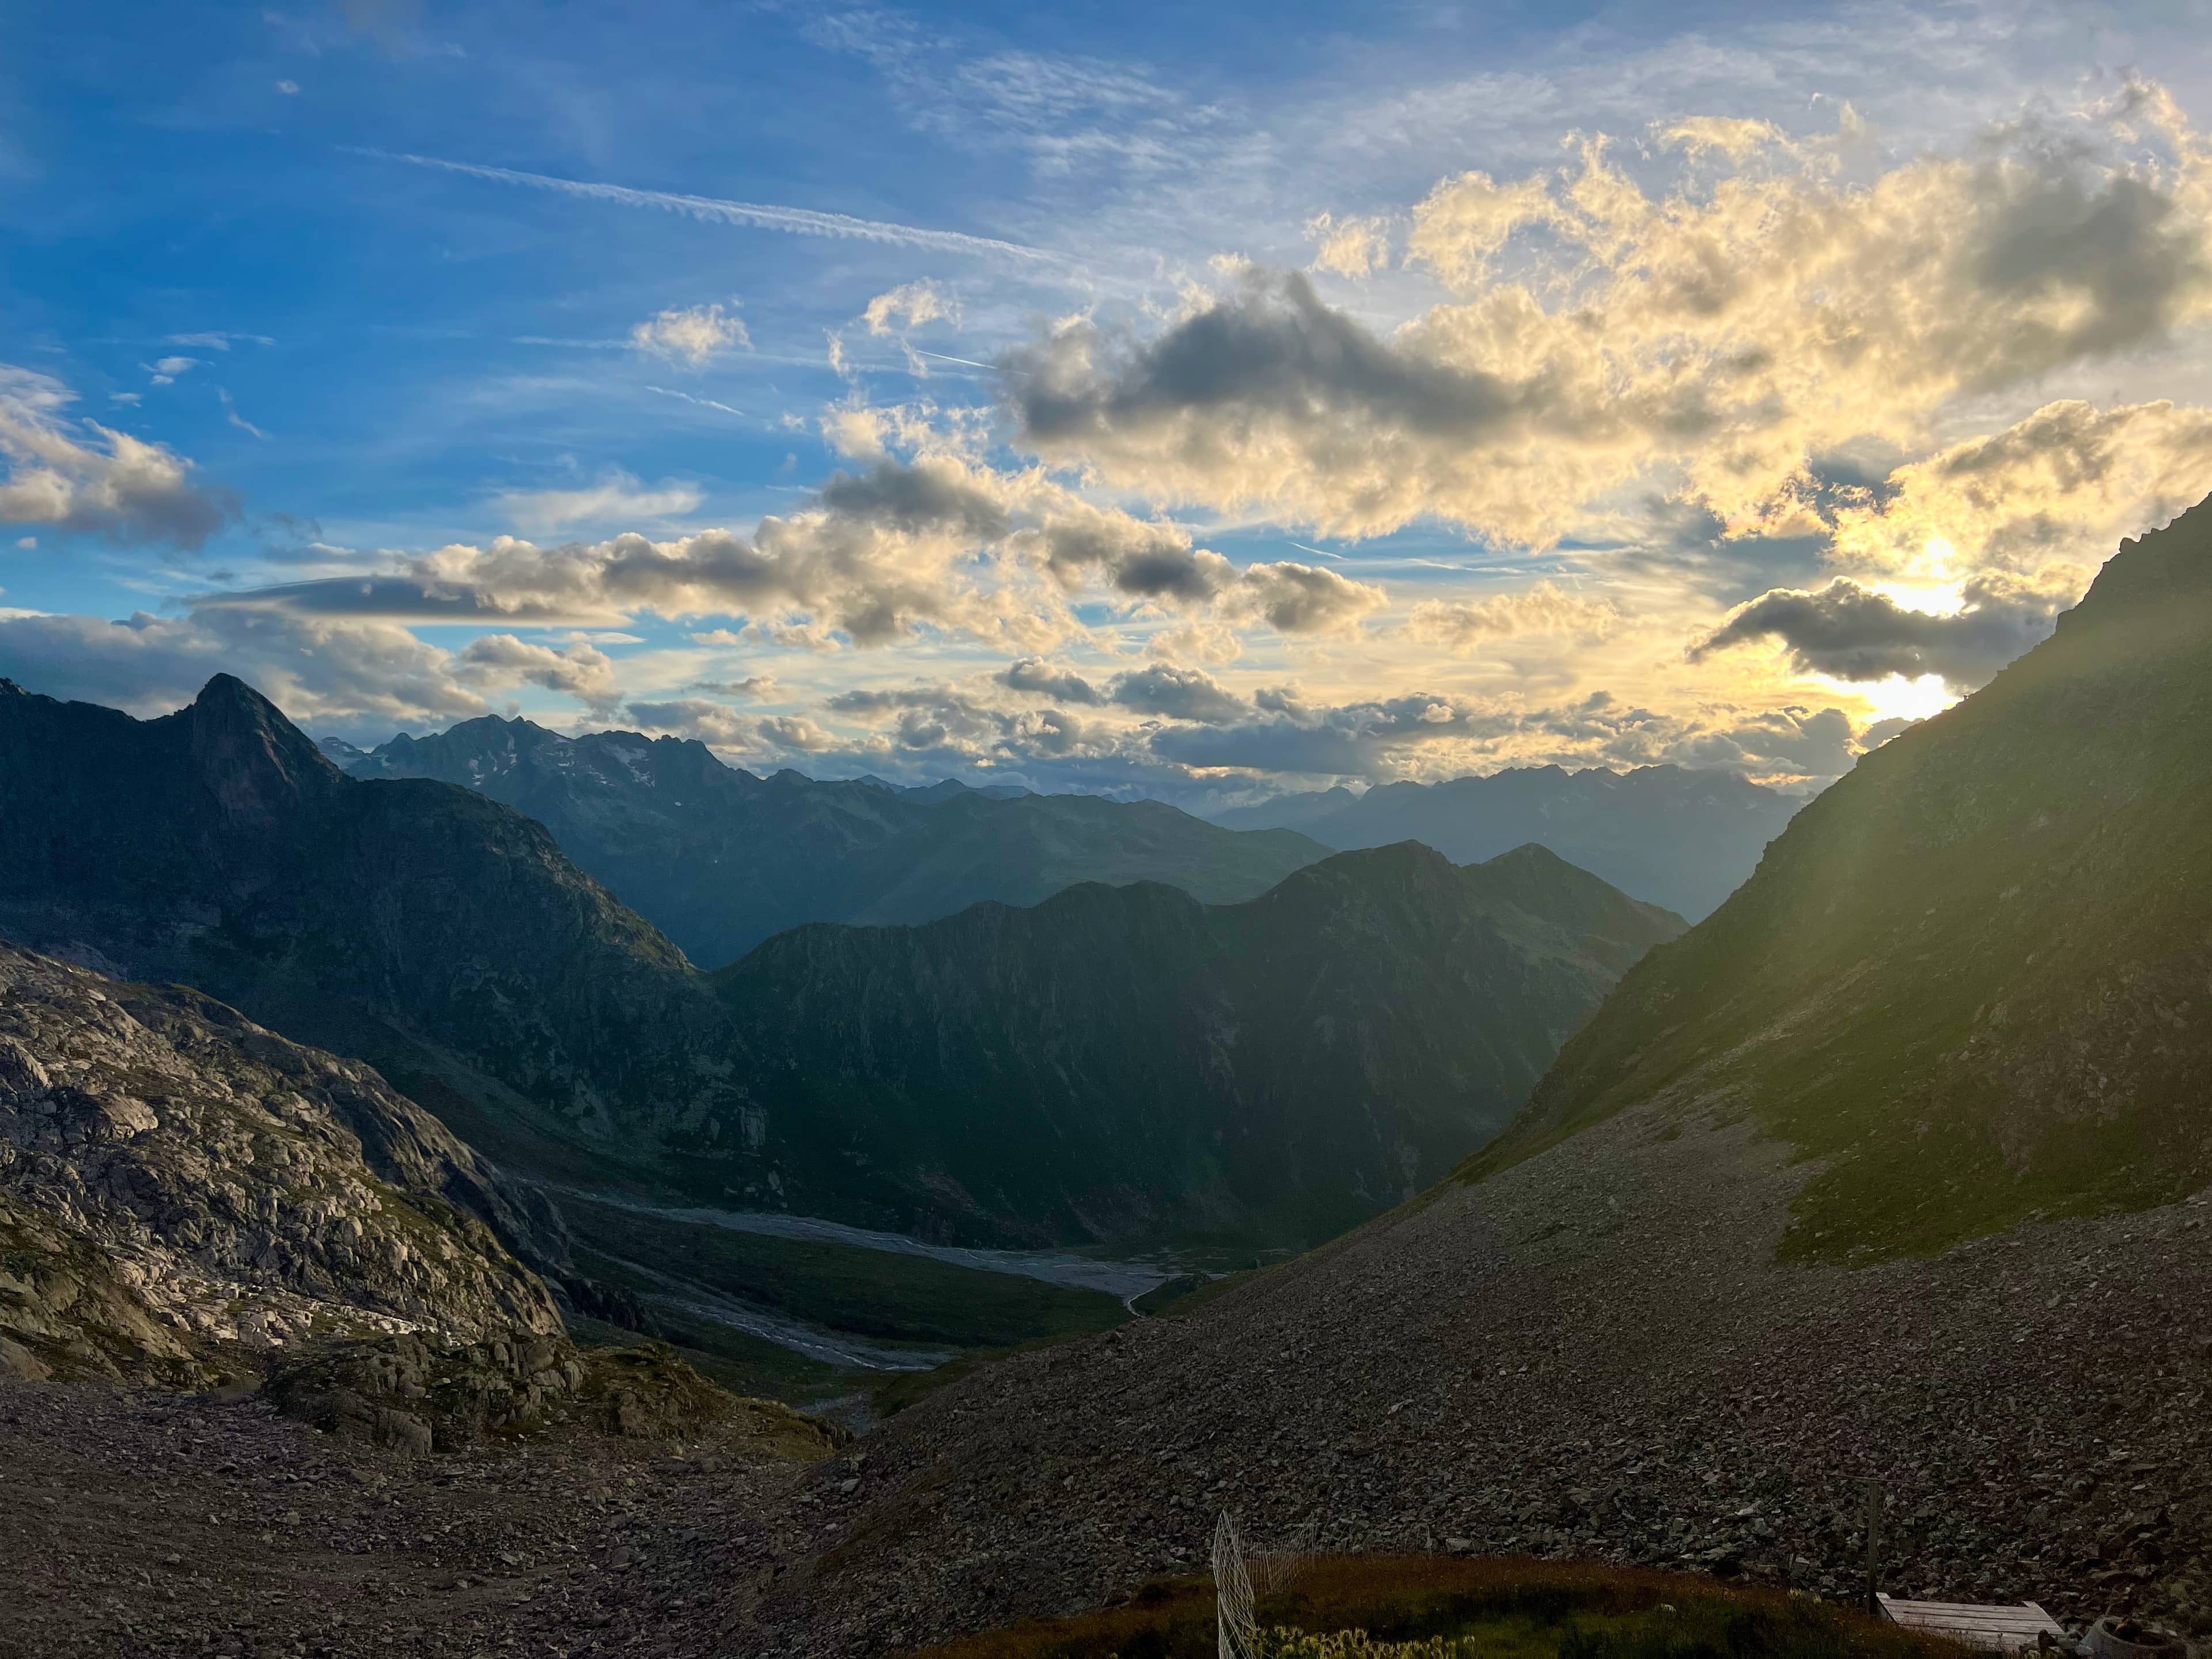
[
  {"x": 1854, "y": 633},
  {"x": 918, "y": 501},
  {"x": 1061, "y": 684},
  {"x": 1272, "y": 344},
  {"x": 1178, "y": 694}
]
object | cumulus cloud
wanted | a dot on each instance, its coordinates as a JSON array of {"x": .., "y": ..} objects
[
  {"x": 911, "y": 304},
  {"x": 1855, "y": 633},
  {"x": 1461, "y": 625},
  {"x": 616, "y": 496},
  {"x": 757, "y": 687},
  {"x": 362, "y": 676},
  {"x": 1715, "y": 336},
  {"x": 1061, "y": 684},
  {"x": 935, "y": 542},
  {"x": 1350, "y": 246},
  {"x": 579, "y": 670},
  {"x": 722, "y": 727},
  {"x": 84, "y": 476},
  {"x": 1181, "y": 694},
  {"x": 1298, "y": 599},
  {"x": 692, "y": 336}
]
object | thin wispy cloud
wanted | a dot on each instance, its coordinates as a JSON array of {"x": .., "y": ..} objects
[
  {"x": 703, "y": 403},
  {"x": 797, "y": 221}
]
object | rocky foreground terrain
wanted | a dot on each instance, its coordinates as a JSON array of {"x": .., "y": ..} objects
[
  {"x": 177, "y": 1183},
  {"x": 1595, "y": 1353}
]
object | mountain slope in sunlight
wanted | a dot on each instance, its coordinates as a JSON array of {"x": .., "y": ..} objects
[{"x": 1975, "y": 976}]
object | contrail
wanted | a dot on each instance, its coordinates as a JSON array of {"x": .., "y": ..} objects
[
  {"x": 942, "y": 358},
  {"x": 1323, "y": 551},
  {"x": 703, "y": 403},
  {"x": 800, "y": 222}
]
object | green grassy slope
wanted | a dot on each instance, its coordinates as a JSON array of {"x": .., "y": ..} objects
[{"x": 1974, "y": 978}]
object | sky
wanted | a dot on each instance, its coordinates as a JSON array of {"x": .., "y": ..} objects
[{"x": 1200, "y": 402}]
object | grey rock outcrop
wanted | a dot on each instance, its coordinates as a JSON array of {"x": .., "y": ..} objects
[{"x": 178, "y": 1185}]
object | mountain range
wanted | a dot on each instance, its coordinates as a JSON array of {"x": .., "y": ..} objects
[
  {"x": 719, "y": 858},
  {"x": 1679, "y": 838},
  {"x": 1286, "y": 1064}
]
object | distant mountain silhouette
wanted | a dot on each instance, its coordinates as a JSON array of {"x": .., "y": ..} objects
[
  {"x": 1974, "y": 978},
  {"x": 719, "y": 859},
  {"x": 1125, "y": 1060},
  {"x": 1677, "y": 837}
]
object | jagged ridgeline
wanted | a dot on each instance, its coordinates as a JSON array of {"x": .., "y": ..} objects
[
  {"x": 1682, "y": 838},
  {"x": 424, "y": 928},
  {"x": 1975, "y": 976},
  {"x": 1117, "y": 1060},
  {"x": 1122, "y": 1060},
  {"x": 719, "y": 859}
]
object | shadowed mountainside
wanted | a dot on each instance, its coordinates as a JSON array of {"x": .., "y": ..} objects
[
  {"x": 719, "y": 859},
  {"x": 431, "y": 931},
  {"x": 1677, "y": 837},
  {"x": 1120, "y": 1060}
]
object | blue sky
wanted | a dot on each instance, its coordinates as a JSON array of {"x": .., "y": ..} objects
[{"x": 1333, "y": 404}]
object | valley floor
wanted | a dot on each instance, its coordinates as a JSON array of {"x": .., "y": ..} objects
[{"x": 1482, "y": 1375}]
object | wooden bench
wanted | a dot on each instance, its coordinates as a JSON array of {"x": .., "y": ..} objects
[{"x": 1999, "y": 1630}]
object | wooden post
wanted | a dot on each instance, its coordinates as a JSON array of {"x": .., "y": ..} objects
[{"x": 1874, "y": 1545}]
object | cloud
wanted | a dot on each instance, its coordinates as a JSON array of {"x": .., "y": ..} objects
[
  {"x": 1181, "y": 694},
  {"x": 365, "y": 677},
  {"x": 1350, "y": 246},
  {"x": 1854, "y": 633},
  {"x": 1298, "y": 599},
  {"x": 759, "y": 687},
  {"x": 1461, "y": 625},
  {"x": 1061, "y": 684},
  {"x": 802, "y": 222},
  {"x": 936, "y": 542},
  {"x": 1711, "y": 339},
  {"x": 217, "y": 341},
  {"x": 693, "y": 337},
  {"x": 230, "y": 414},
  {"x": 616, "y": 496},
  {"x": 722, "y": 727},
  {"x": 115, "y": 485},
  {"x": 579, "y": 670},
  {"x": 914, "y": 303}
]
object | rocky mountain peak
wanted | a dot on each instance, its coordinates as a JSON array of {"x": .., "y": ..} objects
[{"x": 255, "y": 762}]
